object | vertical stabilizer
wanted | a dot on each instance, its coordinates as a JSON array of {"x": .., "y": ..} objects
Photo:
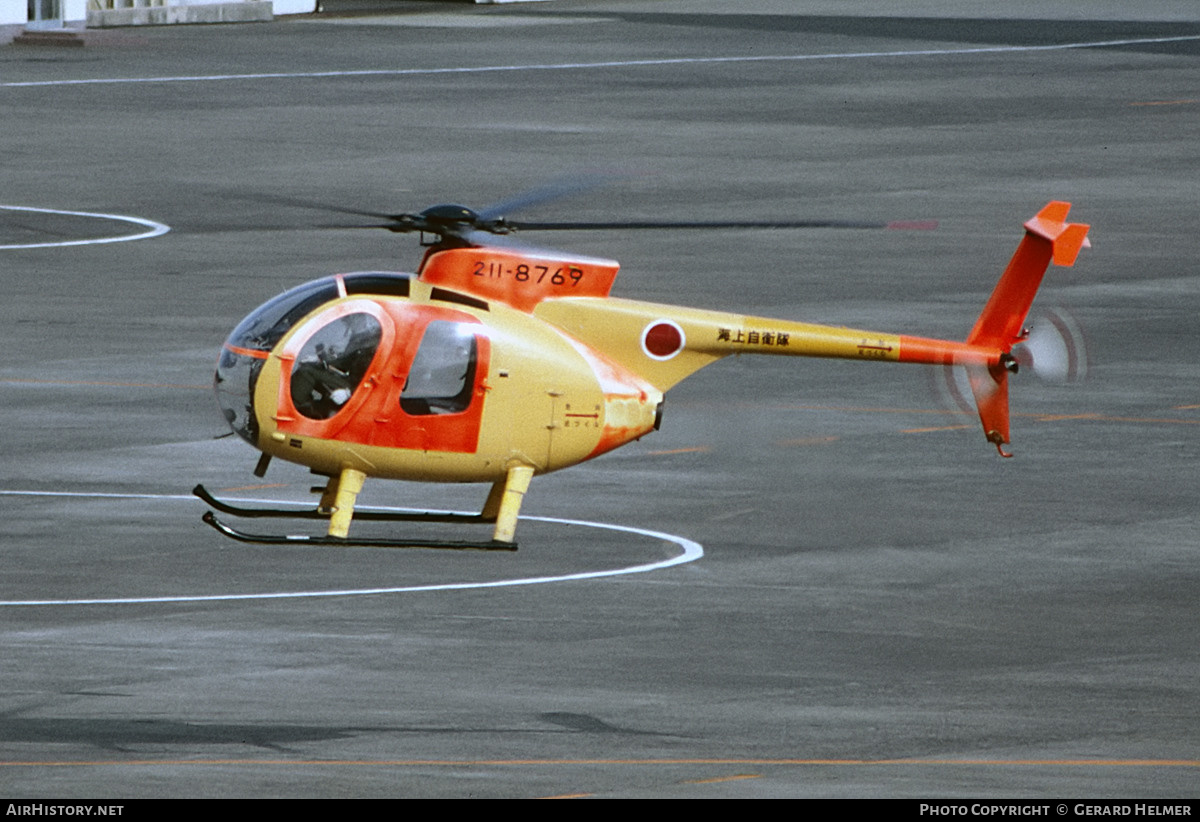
[{"x": 1048, "y": 237}]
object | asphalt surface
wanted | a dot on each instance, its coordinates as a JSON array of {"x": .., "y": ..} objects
[{"x": 884, "y": 607}]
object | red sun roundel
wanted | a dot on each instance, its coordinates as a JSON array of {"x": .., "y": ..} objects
[{"x": 662, "y": 340}]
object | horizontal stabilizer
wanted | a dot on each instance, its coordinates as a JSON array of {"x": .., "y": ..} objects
[{"x": 1067, "y": 238}]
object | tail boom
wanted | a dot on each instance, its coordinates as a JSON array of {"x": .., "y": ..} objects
[{"x": 665, "y": 344}]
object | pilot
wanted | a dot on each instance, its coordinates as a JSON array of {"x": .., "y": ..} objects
[{"x": 319, "y": 388}]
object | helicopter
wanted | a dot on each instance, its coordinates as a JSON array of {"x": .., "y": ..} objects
[{"x": 494, "y": 363}]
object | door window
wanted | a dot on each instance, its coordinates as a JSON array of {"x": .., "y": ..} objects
[
  {"x": 332, "y": 363},
  {"x": 442, "y": 377}
]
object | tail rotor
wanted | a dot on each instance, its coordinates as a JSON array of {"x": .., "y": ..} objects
[{"x": 1054, "y": 350}]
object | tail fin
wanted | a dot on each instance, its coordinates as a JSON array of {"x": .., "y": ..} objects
[{"x": 1048, "y": 236}]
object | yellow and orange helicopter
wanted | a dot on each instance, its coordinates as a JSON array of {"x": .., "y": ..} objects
[{"x": 495, "y": 363}]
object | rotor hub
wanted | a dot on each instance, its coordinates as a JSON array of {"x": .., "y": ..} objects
[{"x": 450, "y": 214}]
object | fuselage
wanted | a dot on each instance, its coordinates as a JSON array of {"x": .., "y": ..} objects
[{"x": 401, "y": 379}]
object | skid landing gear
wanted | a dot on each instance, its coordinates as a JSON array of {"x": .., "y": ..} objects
[
  {"x": 347, "y": 542},
  {"x": 337, "y": 507}
]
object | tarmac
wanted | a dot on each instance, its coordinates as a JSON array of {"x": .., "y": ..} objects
[{"x": 814, "y": 581}]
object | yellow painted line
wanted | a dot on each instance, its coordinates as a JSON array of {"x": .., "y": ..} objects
[
  {"x": 733, "y": 514},
  {"x": 808, "y": 441},
  {"x": 698, "y": 449},
  {"x": 570, "y": 796},
  {"x": 717, "y": 779},
  {"x": 1165, "y": 103},
  {"x": 1060, "y": 417},
  {"x": 475, "y": 763},
  {"x": 10, "y": 381},
  {"x": 1042, "y": 417},
  {"x": 1069, "y": 763},
  {"x": 872, "y": 410},
  {"x": 1102, "y": 418}
]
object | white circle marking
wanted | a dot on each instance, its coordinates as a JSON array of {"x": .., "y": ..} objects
[
  {"x": 154, "y": 229},
  {"x": 692, "y": 551}
]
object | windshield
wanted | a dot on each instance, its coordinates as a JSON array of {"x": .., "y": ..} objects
[
  {"x": 247, "y": 347},
  {"x": 244, "y": 352},
  {"x": 267, "y": 324}
]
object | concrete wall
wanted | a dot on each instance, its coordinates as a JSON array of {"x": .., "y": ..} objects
[
  {"x": 16, "y": 12},
  {"x": 295, "y": 6},
  {"x": 255, "y": 11},
  {"x": 13, "y": 12}
]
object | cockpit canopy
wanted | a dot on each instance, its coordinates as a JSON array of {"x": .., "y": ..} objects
[
  {"x": 267, "y": 324},
  {"x": 256, "y": 336}
]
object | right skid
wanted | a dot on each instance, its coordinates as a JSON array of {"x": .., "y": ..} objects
[
  {"x": 366, "y": 516},
  {"x": 348, "y": 542}
]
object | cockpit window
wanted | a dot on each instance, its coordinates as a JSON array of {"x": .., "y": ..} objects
[
  {"x": 442, "y": 378},
  {"x": 376, "y": 282},
  {"x": 235, "y": 381},
  {"x": 270, "y": 321},
  {"x": 332, "y": 363}
]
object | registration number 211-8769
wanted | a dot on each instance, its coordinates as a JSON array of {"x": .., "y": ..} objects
[{"x": 524, "y": 273}]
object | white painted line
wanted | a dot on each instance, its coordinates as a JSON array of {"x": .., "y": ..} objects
[
  {"x": 691, "y": 552},
  {"x": 607, "y": 64},
  {"x": 155, "y": 229}
]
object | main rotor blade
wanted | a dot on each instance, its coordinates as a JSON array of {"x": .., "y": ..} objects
[
  {"x": 521, "y": 225},
  {"x": 314, "y": 205},
  {"x": 553, "y": 190}
]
